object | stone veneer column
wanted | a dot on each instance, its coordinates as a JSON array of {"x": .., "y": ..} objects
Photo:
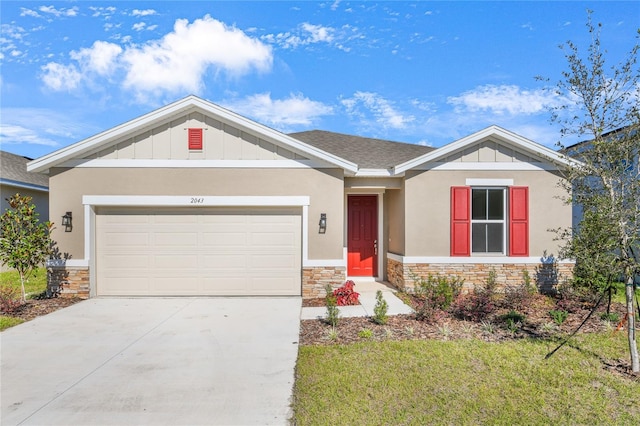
[
  {"x": 314, "y": 280},
  {"x": 68, "y": 281}
]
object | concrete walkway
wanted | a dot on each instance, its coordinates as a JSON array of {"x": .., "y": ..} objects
[{"x": 367, "y": 290}]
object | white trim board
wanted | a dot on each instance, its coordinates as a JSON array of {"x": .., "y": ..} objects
[
  {"x": 195, "y": 200},
  {"x": 213, "y": 164},
  {"x": 530, "y": 260}
]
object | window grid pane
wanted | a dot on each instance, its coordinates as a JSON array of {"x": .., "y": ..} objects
[{"x": 488, "y": 220}]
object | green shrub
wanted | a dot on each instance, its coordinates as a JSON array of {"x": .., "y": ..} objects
[
  {"x": 365, "y": 333},
  {"x": 558, "y": 316},
  {"x": 519, "y": 296},
  {"x": 10, "y": 299},
  {"x": 333, "y": 313},
  {"x": 380, "y": 309},
  {"x": 478, "y": 304},
  {"x": 439, "y": 291},
  {"x": 611, "y": 316}
]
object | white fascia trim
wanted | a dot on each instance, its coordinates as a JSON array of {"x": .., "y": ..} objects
[
  {"x": 190, "y": 103},
  {"x": 73, "y": 263},
  {"x": 500, "y": 166},
  {"x": 24, "y": 185},
  {"x": 473, "y": 260},
  {"x": 196, "y": 200},
  {"x": 319, "y": 263},
  {"x": 492, "y": 131},
  {"x": 217, "y": 164},
  {"x": 489, "y": 182},
  {"x": 374, "y": 173}
]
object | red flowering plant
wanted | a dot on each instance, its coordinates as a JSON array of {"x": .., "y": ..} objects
[{"x": 345, "y": 295}]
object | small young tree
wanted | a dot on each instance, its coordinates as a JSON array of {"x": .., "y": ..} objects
[
  {"x": 25, "y": 242},
  {"x": 603, "y": 108}
]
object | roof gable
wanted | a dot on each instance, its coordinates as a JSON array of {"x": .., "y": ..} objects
[
  {"x": 493, "y": 144},
  {"x": 102, "y": 142}
]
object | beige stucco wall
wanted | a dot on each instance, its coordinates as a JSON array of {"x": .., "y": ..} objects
[
  {"x": 323, "y": 186},
  {"x": 394, "y": 206},
  {"x": 427, "y": 208}
]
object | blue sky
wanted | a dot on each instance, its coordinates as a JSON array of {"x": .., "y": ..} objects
[{"x": 418, "y": 72}]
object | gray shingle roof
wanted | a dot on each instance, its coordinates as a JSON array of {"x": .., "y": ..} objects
[
  {"x": 367, "y": 153},
  {"x": 13, "y": 169}
]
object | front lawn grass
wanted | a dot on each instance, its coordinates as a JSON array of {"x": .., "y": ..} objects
[
  {"x": 36, "y": 284},
  {"x": 7, "y": 322},
  {"x": 465, "y": 382}
]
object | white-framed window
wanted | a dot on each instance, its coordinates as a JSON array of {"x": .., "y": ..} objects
[{"x": 488, "y": 220}]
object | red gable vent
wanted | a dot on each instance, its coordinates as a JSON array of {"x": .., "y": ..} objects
[{"x": 195, "y": 138}]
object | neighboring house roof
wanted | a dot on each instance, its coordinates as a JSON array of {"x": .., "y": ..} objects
[
  {"x": 367, "y": 153},
  {"x": 494, "y": 132},
  {"x": 183, "y": 106},
  {"x": 14, "y": 173}
]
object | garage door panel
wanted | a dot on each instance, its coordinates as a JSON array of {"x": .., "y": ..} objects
[
  {"x": 203, "y": 252},
  {"x": 224, "y": 239},
  {"x": 127, "y": 239},
  {"x": 221, "y": 261},
  {"x": 173, "y": 261},
  {"x": 176, "y": 239},
  {"x": 122, "y": 261}
]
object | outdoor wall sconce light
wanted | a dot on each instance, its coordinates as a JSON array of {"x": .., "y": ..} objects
[
  {"x": 323, "y": 223},
  {"x": 66, "y": 222}
]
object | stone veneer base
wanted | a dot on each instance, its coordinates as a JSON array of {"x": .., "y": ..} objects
[
  {"x": 545, "y": 276},
  {"x": 315, "y": 279},
  {"x": 74, "y": 282},
  {"x": 68, "y": 281}
]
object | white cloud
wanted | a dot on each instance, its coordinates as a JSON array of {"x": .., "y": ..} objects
[
  {"x": 29, "y": 12},
  {"x": 59, "y": 12},
  {"x": 505, "y": 99},
  {"x": 42, "y": 127},
  {"x": 139, "y": 26},
  {"x": 176, "y": 63},
  {"x": 367, "y": 104},
  {"x": 99, "y": 58},
  {"x": 11, "y": 134},
  {"x": 180, "y": 59},
  {"x": 305, "y": 35},
  {"x": 296, "y": 110},
  {"x": 102, "y": 11},
  {"x": 145, "y": 12},
  {"x": 60, "y": 77}
]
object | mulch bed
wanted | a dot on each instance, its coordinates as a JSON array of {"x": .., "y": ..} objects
[
  {"x": 538, "y": 324},
  {"x": 34, "y": 308}
]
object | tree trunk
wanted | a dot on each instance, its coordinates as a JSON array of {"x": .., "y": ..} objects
[
  {"x": 631, "y": 323},
  {"x": 24, "y": 295}
]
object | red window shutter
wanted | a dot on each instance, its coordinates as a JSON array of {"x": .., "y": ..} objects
[
  {"x": 518, "y": 221},
  {"x": 195, "y": 138},
  {"x": 460, "y": 221}
]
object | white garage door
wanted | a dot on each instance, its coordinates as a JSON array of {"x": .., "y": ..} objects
[{"x": 198, "y": 252}]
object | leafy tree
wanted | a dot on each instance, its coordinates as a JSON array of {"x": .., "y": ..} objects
[
  {"x": 603, "y": 107},
  {"x": 25, "y": 242}
]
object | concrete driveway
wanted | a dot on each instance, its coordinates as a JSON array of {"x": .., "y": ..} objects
[{"x": 153, "y": 361}]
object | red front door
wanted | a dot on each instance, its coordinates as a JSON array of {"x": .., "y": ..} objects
[{"x": 362, "y": 242}]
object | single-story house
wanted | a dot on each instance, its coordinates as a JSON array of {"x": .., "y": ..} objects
[{"x": 194, "y": 199}]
